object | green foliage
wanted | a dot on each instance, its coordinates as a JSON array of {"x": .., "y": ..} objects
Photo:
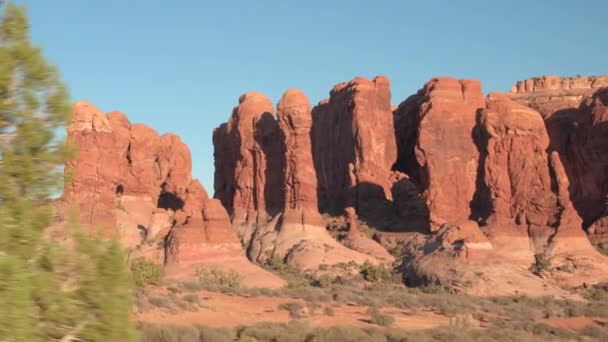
[
  {"x": 145, "y": 272},
  {"x": 48, "y": 290},
  {"x": 295, "y": 277},
  {"x": 375, "y": 274}
]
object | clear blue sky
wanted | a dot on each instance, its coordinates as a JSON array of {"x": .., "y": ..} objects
[{"x": 180, "y": 66}]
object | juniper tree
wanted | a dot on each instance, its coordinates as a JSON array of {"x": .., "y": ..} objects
[{"x": 48, "y": 290}]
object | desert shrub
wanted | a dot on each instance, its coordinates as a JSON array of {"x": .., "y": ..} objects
[
  {"x": 210, "y": 276},
  {"x": 398, "y": 251},
  {"x": 295, "y": 277},
  {"x": 372, "y": 273},
  {"x": 462, "y": 321},
  {"x": 312, "y": 307},
  {"x": 597, "y": 293},
  {"x": 174, "y": 290},
  {"x": 595, "y": 332},
  {"x": 145, "y": 272},
  {"x": 294, "y": 309},
  {"x": 192, "y": 286},
  {"x": 161, "y": 302},
  {"x": 167, "y": 333},
  {"x": 323, "y": 281},
  {"x": 379, "y": 318},
  {"x": 192, "y": 299},
  {"x": 328, "y": 311},
  {"x": 207, "y": 334},
  {"x": 294, "y": 331},
  {"x": 345, "y": 334}
]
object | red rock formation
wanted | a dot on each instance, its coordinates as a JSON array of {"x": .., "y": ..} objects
[
  {"x": 271, "y": 159},
  {"x": 295, "y": 122},
  {"x": 118, "y": 159},
  {"x": 138, "y": 185},
  {"x": 526, "y": 189},
  {"x": 353, "y": 144},
  {"x": 249, "y": 159},
  {"x": 576, "y": 116},
  {"x": 357, "y": 241},
  {"x": 436, "y": 150}
]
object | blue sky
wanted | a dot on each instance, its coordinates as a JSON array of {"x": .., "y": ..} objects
[{"x": 180, "y": 66}]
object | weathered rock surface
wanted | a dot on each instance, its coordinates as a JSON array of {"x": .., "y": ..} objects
[
  {"x": 357, "y": 241},
  {"x": 210, "y": 242},
  {"x": 116, "y": 158},
  {"x": 521, "y": 197},
  {"x": 526, "y": 191},
  {"x": 300, "y": 178},
  {"x": 136, "y": 184},
  {"x": 353, "y": 144},
  {"x": 434, "y": 129},
  {"x": 576, "y": 117},
  {"x": 249, "y": 159},
  {"x": 292, "y": 227}
]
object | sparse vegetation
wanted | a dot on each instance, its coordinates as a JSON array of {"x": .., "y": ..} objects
[
  {"x": 295, "y": 309},
  {"x": 145, "y": 272},
  {"x": 213, "y": 276},
  {"x": 375, "y": 273},
  {"x": 299, "y": 331},
  {"x": 379, "y": 318},
  {"x": 192, "y": 299}
]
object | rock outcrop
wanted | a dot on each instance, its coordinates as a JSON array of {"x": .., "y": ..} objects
[
  {"x": 354, "y": 145},
  {"x": 576, "y": 117},
  {"x": 521, "y": 198},
  {"x": 292, "y": 228},
  {"x": 521, "y": 185},
  {"x": 137, "y": 185},
  {"x": 434, "y": 129},
  {"x": 118, "y": 159},
  {"x": 249, "y": 159}
]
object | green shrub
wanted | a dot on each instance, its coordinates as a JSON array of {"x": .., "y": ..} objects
[
  {"x": 145, "y": 272},
  {"x": 210, "y": 276},
  {"x": 323, "y": 281},
  {"x": 375, "y": 274},
  {"x": 295, "y": 277}
]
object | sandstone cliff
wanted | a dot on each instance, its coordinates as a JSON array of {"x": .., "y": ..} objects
[{"x": 137, "y": 186}]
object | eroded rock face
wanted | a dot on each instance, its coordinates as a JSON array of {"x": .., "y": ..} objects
[
  {"x": 138, "y": 185},
  {"x": 249, "y": 157},
  {"x": 209, "y": 242},
  {"x": 576, "y": 116},
  {"x": 118, "y": 159},
  {"x": 353, "y": 144},
  {"x": 295, "y": 122},
  {"x": 292, "y": 227},
  {"x": 434, "y": 129}
]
